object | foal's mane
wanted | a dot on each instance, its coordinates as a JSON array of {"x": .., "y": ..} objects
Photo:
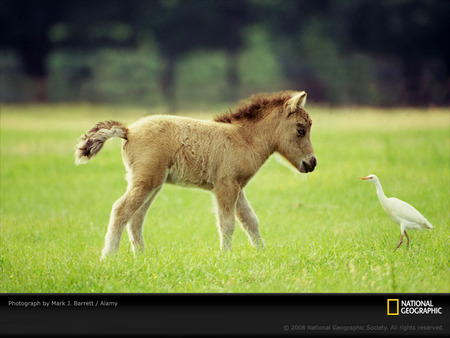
[{"x": 254, "y": 108}]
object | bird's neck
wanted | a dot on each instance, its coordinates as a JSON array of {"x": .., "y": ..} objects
[{"x": 380, "y": 192}]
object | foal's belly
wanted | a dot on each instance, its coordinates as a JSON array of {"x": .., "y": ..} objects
[{"x": 188, "y": 179}]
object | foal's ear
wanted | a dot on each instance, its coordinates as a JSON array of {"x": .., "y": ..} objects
[{"x": 296, "y": 101}]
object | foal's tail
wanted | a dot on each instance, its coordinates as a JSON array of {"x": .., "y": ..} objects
[{"x": 89, "y": 144}]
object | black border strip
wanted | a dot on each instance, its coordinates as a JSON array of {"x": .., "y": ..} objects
[{"x": 219, "y": 315}]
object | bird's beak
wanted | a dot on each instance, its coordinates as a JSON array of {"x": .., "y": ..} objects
[{"x": 365, "y": 178}]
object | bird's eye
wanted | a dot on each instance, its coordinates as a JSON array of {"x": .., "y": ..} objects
[{"x": 301, "y": 132}]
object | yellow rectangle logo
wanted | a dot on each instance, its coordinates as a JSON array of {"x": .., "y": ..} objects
[{"x": 392, "y": 307}]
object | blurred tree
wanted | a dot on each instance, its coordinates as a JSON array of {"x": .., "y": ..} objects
[
  {"x": 182, "y": 26},
  {"x": 320, "y": 44},
  {"x": 232, "y": 17},
  {"x": 415, "y": 31},
  {"x": 288, "y": 21},
  {"x": 33, "y": 28},
  {"x": 24, "y": 27}
]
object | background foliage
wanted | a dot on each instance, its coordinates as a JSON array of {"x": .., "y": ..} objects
[{"x": 175, "y": 53}]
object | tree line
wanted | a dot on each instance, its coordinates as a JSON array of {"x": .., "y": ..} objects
[{"x": 311, "y": 39}]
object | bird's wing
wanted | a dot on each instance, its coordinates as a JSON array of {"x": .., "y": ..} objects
[{"x": 406, "y": 211}]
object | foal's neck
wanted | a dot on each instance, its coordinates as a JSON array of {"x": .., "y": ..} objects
[{"x": 261, "y": 136}]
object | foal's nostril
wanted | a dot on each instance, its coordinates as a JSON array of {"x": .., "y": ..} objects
[
  {"x": 309, "y": 165},
  {"x": 306, "y": 166}
]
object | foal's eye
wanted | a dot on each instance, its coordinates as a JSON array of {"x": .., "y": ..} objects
[{"x": 301, "y": 132}]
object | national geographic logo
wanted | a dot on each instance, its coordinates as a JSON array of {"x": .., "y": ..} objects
[
  {"x": 412, "y": 307},
  {"x": 392, "y": 307}
]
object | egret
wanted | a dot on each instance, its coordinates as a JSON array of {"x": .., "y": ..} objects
[{"x": 401, "y": 212}]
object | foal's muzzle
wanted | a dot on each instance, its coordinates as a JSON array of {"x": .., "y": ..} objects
[{"x": 308, "y": 164}]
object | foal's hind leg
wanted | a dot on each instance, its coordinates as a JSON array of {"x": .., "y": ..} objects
[
  {"x": 135, "y": 225},
  {"x": 248, "y": 220},
  {"x": 122, "y": 211}
]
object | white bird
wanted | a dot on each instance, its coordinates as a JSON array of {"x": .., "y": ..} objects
[{"x": 401, "y": 212}]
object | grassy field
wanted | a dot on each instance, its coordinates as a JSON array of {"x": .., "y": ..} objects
[{"x": 325, "y": 232}]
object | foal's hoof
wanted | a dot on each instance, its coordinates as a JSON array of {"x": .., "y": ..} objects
[{"x": 105, "y": 255}]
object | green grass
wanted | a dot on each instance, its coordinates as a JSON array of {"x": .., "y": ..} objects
[{"x": 325, "y": 232}]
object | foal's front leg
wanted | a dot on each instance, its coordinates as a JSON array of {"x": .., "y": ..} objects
[
  {"x": 249, "y": 220},
  {"x": 226, "y": 196}
]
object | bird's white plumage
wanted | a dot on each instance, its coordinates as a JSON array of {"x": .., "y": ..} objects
[{"x": 401, "y": 212}]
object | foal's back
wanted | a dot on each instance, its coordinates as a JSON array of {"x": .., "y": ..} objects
[{"x": 189, "y": 151}]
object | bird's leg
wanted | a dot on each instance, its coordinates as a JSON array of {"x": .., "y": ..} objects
[
  {"x": 407, "y": 237},
  {"x": 401, "y": 241}
]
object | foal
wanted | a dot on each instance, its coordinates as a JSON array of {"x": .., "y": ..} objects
[{"x": 220, "y": 156}]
